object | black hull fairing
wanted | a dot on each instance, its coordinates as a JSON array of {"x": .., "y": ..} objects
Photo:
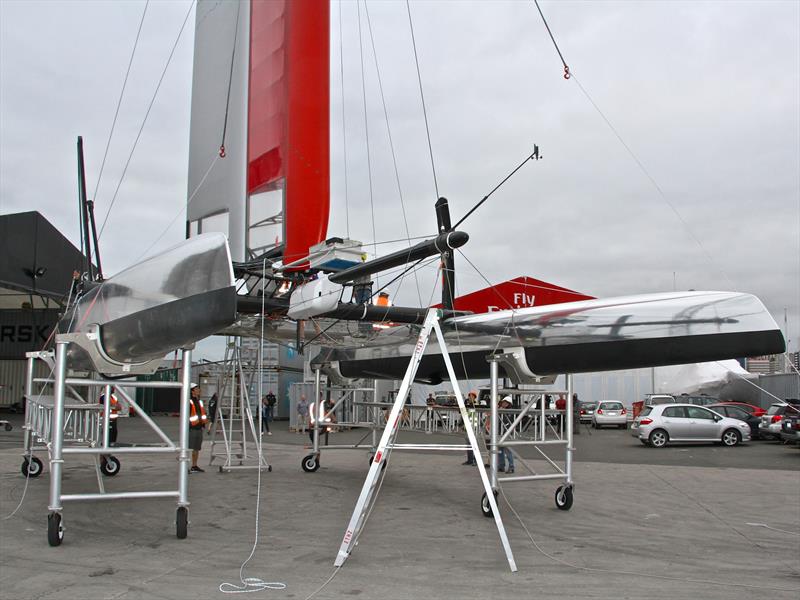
[
  {"x": 593, "y": 335},
  {"x": 579, "y": 358}
]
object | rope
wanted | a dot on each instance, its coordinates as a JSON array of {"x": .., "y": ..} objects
[
  {"x": 230, "y": 81},
  {"x": 119, "y": 102},
  {"x": 366, "y": 131},
  {"x": 422, "y": 97},
  {"x": 144, "y": 121},
  {"x": 255, "y": 584}
]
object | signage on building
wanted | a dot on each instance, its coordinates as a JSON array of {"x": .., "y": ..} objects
[{"x": 24, "y": 331}]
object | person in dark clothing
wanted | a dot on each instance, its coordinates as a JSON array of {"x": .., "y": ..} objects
[{"x": 212, "y": 411}]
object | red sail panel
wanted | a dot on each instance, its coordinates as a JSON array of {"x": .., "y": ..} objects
[
  {"x": 267, "y": 95},
  {"x": 289, "y": 130}
]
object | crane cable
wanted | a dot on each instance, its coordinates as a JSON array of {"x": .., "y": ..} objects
[
  {"x": 119, "y": 102},
  {"x": 230, "y": 81},
  {"x": 147, "y": 114},
  {"x": 570, "y": 75}
]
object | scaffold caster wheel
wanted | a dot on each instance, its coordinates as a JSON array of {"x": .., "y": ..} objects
[
  {"x": 486, "y": 508},
  {"x": 32, "y": 468},
  {"x": 564, "y": 497},
  {"x": 310, "y": 463},
  {"x": 8, "y": 427},
  {"x": 55, "y": 530},
  {"x": 182, "y": 522},
  {"x": 269, "y": 468},
  {"x": 110, "y": 466},
  {"x": 372, "y": 457}
]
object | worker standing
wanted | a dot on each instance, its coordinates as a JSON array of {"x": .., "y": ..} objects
[
  {"x": 302, "y": 414},
  {"x": 472, "y": 421},
  {"x": 197, "y": 421},
  {"x": 113, "y": 414}
]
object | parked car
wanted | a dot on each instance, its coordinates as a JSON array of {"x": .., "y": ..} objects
[
  {"x": 586, "y": 411},
  {"x": 770, "y": 426},
  {"x": 656, "y": 399},
  {"x": 659, "y": 425},
  {"x": 790, "y": 429},
  {"x": 701, "y": 400},
  {"x": 610, "y": 412},
  {"x": 732, "y": 410},
  {"x": 756, "y": 411}
]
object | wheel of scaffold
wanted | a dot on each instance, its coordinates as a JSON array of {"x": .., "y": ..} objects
[
  {"x": 564, "y": 497},
  {"x": 32, "y": 468},
  {"x": 182, "y": 522},
  {"x": 372, "y": 457},
  {"x": 310, "y": 463},
  {"x": 110, "y": 466},
  {"x": 55, "y": 529},
  {"x": 8, "y": 427},
  {"x": 486, "y": 508}
]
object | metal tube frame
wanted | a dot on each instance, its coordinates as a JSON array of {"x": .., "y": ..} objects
[{"x": 43, "y": 422}]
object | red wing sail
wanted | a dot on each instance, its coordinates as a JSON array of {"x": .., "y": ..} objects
[
  {"x": 288, "y": 109},
  {"x": 522, "y": 292}
]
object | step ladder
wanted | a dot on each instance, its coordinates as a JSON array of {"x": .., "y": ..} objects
[
  {"x": 234, "y": 425},
  {"x": 372, "y": 484}
]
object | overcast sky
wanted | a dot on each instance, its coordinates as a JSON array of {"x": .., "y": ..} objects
[{"x": 706, "y": 94}]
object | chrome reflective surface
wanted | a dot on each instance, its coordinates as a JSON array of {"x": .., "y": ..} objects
[
  {"x": 164, "y": 302},
  {"x": 592, "y": 335}
]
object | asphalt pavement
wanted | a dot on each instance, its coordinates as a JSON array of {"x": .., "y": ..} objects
[{"x": 713, "y": 526}]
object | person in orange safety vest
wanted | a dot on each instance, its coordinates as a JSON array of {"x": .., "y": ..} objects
[{"x": 197, "y": 421}]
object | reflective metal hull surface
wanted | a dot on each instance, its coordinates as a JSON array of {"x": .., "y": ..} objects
[
  {"x": 166, "y": 302},
  {"x": 591, "y": 335}
]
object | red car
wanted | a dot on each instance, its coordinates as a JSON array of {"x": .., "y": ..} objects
[{"x": 756, "y": 411}]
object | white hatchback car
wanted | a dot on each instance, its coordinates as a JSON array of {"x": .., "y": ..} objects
[
  {"x": 658, "y": 425},
  {"x": 610, "y": 412}
]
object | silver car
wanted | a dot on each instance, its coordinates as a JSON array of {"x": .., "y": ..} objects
[
  {"x": 610, "y": 412},
  {"x": 658, "y": 425}
]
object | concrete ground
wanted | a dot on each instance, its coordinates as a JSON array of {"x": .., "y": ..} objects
[{"x": 669, "y": 523}]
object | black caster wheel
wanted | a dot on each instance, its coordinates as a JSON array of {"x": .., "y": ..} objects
[
  {"x": 269, "y": 468},
  {"x": 32, "y": 468},
  {"x": 110, "y": 466},
  {"x": 8, "y": 427},
  {"x": 486, "y": 508},
  {"x": 310, "y": 463},
  {"x": 55, "y": 530},
  {"x": 564, "y": 497},
  {"x": 383, "y": 465},
  {"x": 220, "y": 468},
  {"x": 182, "y": 522}
]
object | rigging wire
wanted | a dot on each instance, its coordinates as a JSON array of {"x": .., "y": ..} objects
[
  {"x": 391, "y": 141},
  {"x": 422, "y": 97},
  {"x": 570, "y": 75},
  {"x": 230, "y": 82},
  {"x": 182, "y": 209},
  {"x": 147, "y": 114},
  {"x": 119, "y": 102},
  {"x": 366, "y": 130},
  {"x": 344, "y": 125},
  {"x": 533, "y": 156}
]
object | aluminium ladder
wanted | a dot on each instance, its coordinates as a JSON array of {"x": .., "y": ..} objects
[{"x": 387, "y": 443}]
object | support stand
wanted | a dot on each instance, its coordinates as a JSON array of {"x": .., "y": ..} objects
[{"x": 387, "y": 443}]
